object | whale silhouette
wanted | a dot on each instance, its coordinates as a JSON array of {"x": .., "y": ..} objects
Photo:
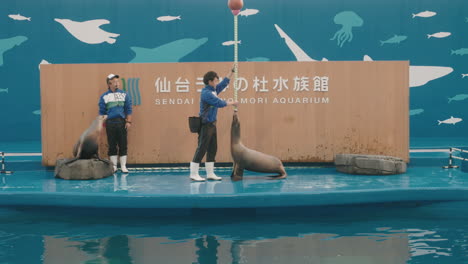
[
  {"x": 420, "y": 75},
  {"x": 8, "y": 44},
  {"x": 89, "y": 31},
  {"x": 296, "y": 50},
  {"x": 169, "y": 52}
]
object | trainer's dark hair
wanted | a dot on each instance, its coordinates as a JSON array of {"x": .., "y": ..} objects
[{"x": 209, "y": 76}]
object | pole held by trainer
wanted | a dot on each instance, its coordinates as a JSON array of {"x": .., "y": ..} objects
[{"x": 235, "y": 6}]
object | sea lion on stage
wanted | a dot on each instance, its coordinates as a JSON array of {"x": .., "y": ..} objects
[
  {"x": 85, "y": 164},
  {"x": 87, "y": 146},
  {"x": 248, "y": 159}
]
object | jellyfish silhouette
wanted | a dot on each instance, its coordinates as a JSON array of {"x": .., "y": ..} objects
[{"x": 348, "y": 20}]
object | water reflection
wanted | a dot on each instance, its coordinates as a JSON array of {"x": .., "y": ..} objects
[
  {"x": 120, "y": 183},
  {"x": 424, "y": 234},
  {"x": 207, "y": 249}
]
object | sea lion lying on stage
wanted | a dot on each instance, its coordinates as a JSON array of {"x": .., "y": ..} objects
[
  {"x": 248, "y": 159},
  {"x": 87, "y": 146}
]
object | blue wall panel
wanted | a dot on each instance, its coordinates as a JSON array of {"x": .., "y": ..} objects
[{"x": 382, "y": 30}]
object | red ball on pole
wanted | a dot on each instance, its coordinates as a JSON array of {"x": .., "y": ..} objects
[{"x": 235, "y": 6}]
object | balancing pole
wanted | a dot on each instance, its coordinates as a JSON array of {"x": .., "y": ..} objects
[
  {"x": 235, "y": 6},
  {"x": 236, "y": 66}
]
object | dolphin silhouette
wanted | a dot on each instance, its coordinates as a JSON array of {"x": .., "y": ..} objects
[
  {"x": 9, "y": 43},
  {"x": 89, "y": 31},
  {"x": 169, "y": 52}
]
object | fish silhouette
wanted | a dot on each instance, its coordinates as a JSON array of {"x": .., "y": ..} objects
[
  {"x": 230, "y": 43},
  {"x": 19, "y": 17},
  {"x": 393, "y": 40},
  {"x": 425, "y": 14},
  {"x": 168, "y": 18},
  {"x": 452, "y": 120},
  {"x": 439, "y": 35},
  {"x": 248, "y": 12}
]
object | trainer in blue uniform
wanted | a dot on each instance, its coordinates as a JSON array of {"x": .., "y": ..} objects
[
  {"x": 117, "y": 106},
  {"x": 207, "y": 139}
]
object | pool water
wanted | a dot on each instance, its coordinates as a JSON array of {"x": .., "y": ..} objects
[
  {"x": 410, "y": 232},
  {"x": 320, "y": 216}
]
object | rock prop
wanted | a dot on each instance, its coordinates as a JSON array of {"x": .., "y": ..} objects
[
  {"x": 369, "y": 164},
  {"x": 83, "y": 169}
]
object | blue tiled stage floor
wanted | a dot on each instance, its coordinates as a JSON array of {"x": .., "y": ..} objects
[
  {"x": 171, "y": 188},
  {"x": 425, "y": 180}
]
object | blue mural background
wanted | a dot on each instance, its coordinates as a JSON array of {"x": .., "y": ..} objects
[{"x": 309, "y": 23}]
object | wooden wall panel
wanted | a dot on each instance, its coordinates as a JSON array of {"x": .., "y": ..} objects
[{"x": 365, "y": 109}]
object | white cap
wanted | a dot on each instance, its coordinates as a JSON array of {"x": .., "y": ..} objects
[{"x": 111, "y": 76}]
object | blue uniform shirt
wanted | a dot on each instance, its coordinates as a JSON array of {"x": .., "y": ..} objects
[
  {"x": 115, "y": 104},
  {"x": 210, "y": 102}
]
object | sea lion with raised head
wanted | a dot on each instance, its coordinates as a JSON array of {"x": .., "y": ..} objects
[
  {"x": 87, "y": 146},
  {"x": 248, "y": 159}
]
